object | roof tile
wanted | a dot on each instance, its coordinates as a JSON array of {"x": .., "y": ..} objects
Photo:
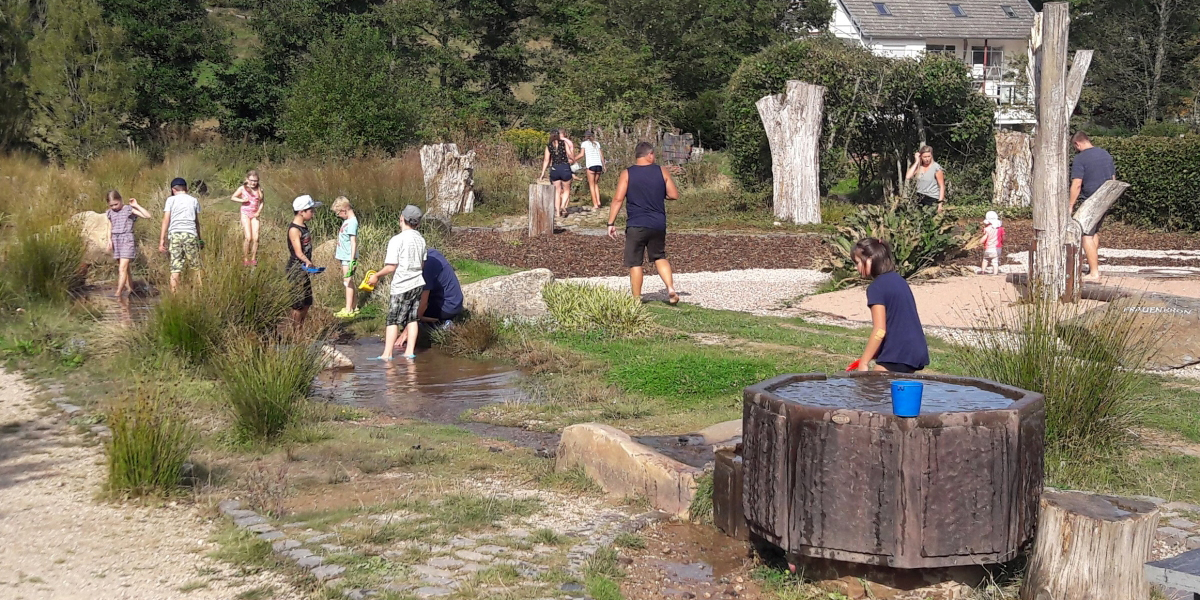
[{"x": 912, "y": 19}]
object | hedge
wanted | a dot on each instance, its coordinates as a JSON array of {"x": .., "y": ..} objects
[{"x": 1164, "y": 180}]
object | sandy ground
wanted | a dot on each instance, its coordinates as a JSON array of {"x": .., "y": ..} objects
[
  {"x": 966, "y": 301},
  {"x": 748, "y": 290},
  {"x": 61, "y": 542}
]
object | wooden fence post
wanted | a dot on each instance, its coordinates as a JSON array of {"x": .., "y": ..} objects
[
  {"x": 541, "y": 209},
  {"x": 448, "y": 179}
]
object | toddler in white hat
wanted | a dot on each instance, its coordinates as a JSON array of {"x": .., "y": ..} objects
[{"x": 993, "y": 242}]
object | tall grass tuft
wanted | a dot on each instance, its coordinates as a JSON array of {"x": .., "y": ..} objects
[
  {"x": 267, "y": 385},
  {"x": 45, "y": 261},
  {"x": 473, "y": 335},
  {"x": 595, "y": 309},
  {"x": 183, "y": 324},
  {"x": 1086, "y": 367},
  {"x": 151, "y": 440}
]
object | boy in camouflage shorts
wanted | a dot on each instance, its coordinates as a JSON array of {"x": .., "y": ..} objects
[{"x": 181, "y": 226}]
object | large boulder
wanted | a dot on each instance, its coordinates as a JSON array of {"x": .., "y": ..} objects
[
  {"x": 93, "y": 227},
  {"x": 1170, "y": 323},
  {"x": 625, "y": 468},
  {"x": 518, "y": 295}
]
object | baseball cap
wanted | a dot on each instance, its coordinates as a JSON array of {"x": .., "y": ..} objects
[
  {"x": 410, "y": 213},
  {"x": 304, "y": 202},
  {"x": 179, "y": 182}
]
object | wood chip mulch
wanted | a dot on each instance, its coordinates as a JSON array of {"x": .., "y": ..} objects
[{"x": 578, "y": 255}]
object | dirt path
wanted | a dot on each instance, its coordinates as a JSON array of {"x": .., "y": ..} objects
[{"x": 61, "y": 542}]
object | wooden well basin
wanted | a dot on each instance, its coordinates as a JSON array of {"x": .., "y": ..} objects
[{"x": 859, "y": 484}]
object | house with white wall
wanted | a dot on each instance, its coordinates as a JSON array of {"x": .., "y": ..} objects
[{"x": 990, "y": 36}]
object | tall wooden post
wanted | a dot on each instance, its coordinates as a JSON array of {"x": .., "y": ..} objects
[
  {"x": 448, "y": 179},
  {"x": 1051, "y": 184},
  {"x": 792, "y": 121},
  {"x": 541, "y": 209}
]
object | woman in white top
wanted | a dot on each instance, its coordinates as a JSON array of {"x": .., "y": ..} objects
[{"x": 590, "y": 148}]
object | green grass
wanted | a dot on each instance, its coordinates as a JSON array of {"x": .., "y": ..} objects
[
  {"x": 43, "y": 262},
  {"x": 470, "y": 271},
  {"x": 150, "y": 442},
  {"x": 548, "y": 537},
  {"x": 600, "y": 587},
  {"x": 701, "y": 509},
  {"x": 596, "y": 310},
  {"x": 629, "y": 539},
  {"x": 267, "y": 385}
]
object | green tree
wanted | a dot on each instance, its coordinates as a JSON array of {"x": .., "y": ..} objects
[
  {"x": 351, "y": 96},
  {"x": 15, "y": 31},
  {"x": 79, "y": 90},
  {"x": 606, "y": 85},
  {"x": 168, "y": 42}
]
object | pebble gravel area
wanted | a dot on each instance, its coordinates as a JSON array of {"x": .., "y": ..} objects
[
  {"x": 61, "y": 542},
  {"x": 1018, "y": 236},
  {"x": 757, "y": 291},
  {"x": 521, "y": 558},
  {"x": 571, "y": 254}
]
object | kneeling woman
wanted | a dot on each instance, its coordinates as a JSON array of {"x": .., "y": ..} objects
[{"x": 897, "y": 341}]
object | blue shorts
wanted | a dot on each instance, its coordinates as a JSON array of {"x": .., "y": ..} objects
[{"x": 560, "y": 173}]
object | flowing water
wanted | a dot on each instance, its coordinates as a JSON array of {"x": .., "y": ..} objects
[{"x": 875, "y": 394}]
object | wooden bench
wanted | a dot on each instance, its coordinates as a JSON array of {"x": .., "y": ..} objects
[{"x": 1178, "y": 572}]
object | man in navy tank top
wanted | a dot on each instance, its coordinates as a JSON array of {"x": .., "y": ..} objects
[{"x": 647, "y": 187}]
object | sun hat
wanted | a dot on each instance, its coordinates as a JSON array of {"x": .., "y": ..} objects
[
  {"x": 410, "y": 213},
  {"x": 992, "y": 217},
  {"x": 304, "y": 202},
  {"x": 178, "y": 182}
]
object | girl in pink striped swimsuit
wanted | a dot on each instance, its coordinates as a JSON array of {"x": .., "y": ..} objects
[{"x": 250, "y": 195}]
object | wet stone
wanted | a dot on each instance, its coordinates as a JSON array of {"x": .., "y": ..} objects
[
  {"x": 445, "y": 562},
  {"x": 309, "y": 562},
  {"x": 245, "y": 522},
  {"x": 270, "y": 536},
  {"x": 1181, "y": 524},
  {"x": 260, "y": 528},
  {"x": 285, "y": 545},
  {"x": 328, "y": 571},
  {"x": 472, "y": 556}
]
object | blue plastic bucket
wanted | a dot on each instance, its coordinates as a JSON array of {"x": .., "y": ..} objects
[{"x": 906, "y": 398}]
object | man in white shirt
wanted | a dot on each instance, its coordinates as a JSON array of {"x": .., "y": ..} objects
[
  {"x": 404, "y": 261},
  {"x": 181, "y": 226}
]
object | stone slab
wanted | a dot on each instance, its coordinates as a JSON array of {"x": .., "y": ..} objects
[
  {"x": 1182, "y": 507},
  {"x": 309, "y": 562},
  {"x": 1193, "y": 542},
  {"x": 1179, "y": 572},
  {"x": 271, "y": 536},
  {"x": 491, "y": 549},
  {"x": 245, "y": 522},
  {"x": 625, "y": 468},
  {"x": 1172, "y": 535},
  {"x": 518, "y": 295},
  {"x": 1173, "y": 322},
  {"x": 444, "y": 562},
  {"x": 1181, "y": 524},
  {"x": 472, "y": 556},
  {"x": 328, "y": 571},
  {"x": 260, "y": 528},
  {"x": 227, "y": 506},
  {"x": 240, "y": 513},
  {"x": 432, "y": 592},
  {"x": 298, "y": 553},
  {"x": 285, "y": 545}
]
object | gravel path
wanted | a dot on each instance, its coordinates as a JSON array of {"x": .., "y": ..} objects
[
  {"x": 60, "y": 542},
  {"x": 757, "y": 291}
]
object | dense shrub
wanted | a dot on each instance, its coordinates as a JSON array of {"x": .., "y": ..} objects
[
  {"x": 919, "y": 237},
  {"x": 1087, "y": 371},
  {"x": 609, "y": 84},
  {"x": 151, "y": 440},
  {"x": 594, "y": 309},
  {"x": 528, "y": 143},
  {"x": 266, "y": 384},
  {"x": 1164, "y": 180},
  {"x": 872, "y": 105}
]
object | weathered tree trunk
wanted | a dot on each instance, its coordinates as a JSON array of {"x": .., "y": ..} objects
[
  {"x": 1090, "y": 546},
  {"x": 1050, "y": 200},
  {"x": 793, "y": 124},
  {"x": 1012, "y": 181},
  {"x": 1079, "y": 68},
  {"x": 448, "y": 179},
  {"x": 1094, "y": 208},
  {"x": 541, "y": 209}
]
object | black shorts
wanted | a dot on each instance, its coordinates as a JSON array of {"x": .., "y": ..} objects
[
  {"x": 924, "y": 200},
  {"x": 596, "y": 169},
  {"x": 560, "y": 173},
  {"x": 897, "y": 367},
  {"x": 302, "y": 295},
  {"x": 641, "y": 241}
]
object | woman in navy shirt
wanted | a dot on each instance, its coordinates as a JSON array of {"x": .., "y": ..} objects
[{"x": 897, "y": 341}]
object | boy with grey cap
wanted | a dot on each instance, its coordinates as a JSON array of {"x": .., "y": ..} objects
[{"x": 404, "y": 261}]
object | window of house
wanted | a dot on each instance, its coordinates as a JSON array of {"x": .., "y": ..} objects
[
  {"x": 940, "y": 49},
  {"x": 882, "y": 8},
  {"x": 1008, "y": 11},
  {"x": 992, "y": 56},
  {"x": 957, "y": 10}
]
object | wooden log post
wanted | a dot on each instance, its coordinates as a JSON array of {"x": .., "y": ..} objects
[
  {"x": 541, "y": 209},
  {"x": 793, "y": 124},
  {"x": 1012, "y": 179},
  {"x": 1051, "y": 158},
  {"x": 1090, "y": 546},
  {"x": 449, "y": 179},
  {"x": 1086, "y": 217}
]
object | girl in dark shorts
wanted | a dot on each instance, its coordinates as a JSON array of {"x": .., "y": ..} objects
[
  {"x": 120, "y": 237},
  {"x": 557, "y": 158},
  {"x": 897, "y": 341}
]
